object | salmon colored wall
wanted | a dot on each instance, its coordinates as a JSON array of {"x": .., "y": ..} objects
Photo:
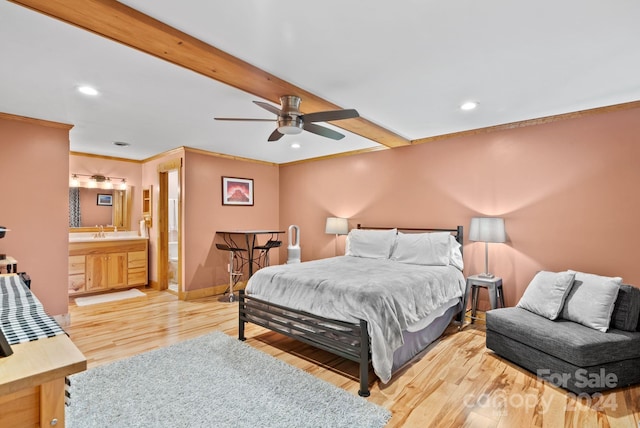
[
  {"x": 203, "y": 214},
  {"x": 205, "y": 265},
  {"x": 35, "y": 206},
  {"x": 567, "y": 190},
  {"x": 111, "y": 167}
]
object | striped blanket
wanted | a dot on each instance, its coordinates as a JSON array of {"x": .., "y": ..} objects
[{"x": 22, "y": 316}]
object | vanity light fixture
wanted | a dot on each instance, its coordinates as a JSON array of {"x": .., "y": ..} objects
[{"x": 98, "y": 180}]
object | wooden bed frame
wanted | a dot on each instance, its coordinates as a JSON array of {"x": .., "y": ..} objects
[{"x": 347, "y": 340}]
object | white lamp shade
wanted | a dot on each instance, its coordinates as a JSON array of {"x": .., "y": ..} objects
[
  {"x": 487, "y": 229},
  {"x": 337, "y": 226}
]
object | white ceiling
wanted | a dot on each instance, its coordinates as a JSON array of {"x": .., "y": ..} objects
[{"x": 406, "y": 66}]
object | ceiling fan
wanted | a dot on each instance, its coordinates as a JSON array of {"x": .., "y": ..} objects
[{"x": 291, "y": 121}]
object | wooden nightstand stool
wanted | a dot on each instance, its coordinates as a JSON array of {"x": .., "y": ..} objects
[{"x": 493, "y": 286}]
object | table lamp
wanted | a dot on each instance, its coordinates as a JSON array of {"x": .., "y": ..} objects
[
  {"x": 487, "y": 229},
  {"x": 337, "y": 226}
]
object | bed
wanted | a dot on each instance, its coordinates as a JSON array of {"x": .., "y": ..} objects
[{"x": 392, "y": 294}]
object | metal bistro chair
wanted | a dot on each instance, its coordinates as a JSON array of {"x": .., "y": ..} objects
[
  {"x": 236, "y": 265},
  {"x": 263, "y": 258}
]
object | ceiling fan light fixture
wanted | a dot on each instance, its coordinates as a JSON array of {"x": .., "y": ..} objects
[
  {"x": 290, "y": 125},
  {"x": 291, "y": 121},
  {"x": 289, "y": 129}
]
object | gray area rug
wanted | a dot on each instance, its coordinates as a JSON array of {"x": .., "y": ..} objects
[{"x": 212, "y": 381}]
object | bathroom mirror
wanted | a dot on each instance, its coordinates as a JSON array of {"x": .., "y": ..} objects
[{"x": 91, "y": 207}]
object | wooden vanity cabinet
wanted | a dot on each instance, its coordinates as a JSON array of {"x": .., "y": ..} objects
[
  {"x": 137, "y": 269},
  {"x": 103, "y": 265},
  {"x": 105, "y": 271},
  {"x": 77, "y": 280}
]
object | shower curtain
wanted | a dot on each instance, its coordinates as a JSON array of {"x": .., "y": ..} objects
[
  {"x": 74, "y": 207},
  {"x": 173, "y": 214}
]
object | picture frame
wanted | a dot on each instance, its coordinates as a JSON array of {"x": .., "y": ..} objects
[
  {"x": 237, "y": 191},
  {"x": 105, "y": 199}
]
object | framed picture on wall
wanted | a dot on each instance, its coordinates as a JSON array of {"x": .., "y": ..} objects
[
  {"x": 237, "y": 191},
  {"x": 105, "y": 199}
]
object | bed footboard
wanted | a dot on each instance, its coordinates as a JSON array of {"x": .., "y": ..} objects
[{"x": 350, "y": 341}]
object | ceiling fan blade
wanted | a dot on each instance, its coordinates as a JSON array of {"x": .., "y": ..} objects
[
  {"x": 238, "y": 119},
  {"x": 321, "y": 130},
  {"x": 275, "y": 135},
  {"x": 269, "y": 107},
  {"x": 328, "y": 116}
]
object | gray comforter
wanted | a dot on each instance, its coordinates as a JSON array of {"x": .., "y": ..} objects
[{"x": 390, "y": 296}]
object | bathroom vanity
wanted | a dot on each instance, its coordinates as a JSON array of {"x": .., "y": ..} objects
[{"x": 100, "y": 263}]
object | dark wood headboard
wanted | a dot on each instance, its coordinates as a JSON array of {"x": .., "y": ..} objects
[{"x": 458, "y": 232}]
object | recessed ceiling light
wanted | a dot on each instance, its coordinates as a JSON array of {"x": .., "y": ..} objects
[
  {"x": 121, "y": 144},
  {"x": 88, "y": 90},
  {"x": 295, "y": 145},
  {"x": 469, "y": 105}
]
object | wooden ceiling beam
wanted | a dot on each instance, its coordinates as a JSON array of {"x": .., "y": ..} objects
[{"x": 121, "y": 23}]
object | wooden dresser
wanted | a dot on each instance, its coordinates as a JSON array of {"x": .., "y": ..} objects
[
  {"x": 32, "y": 379},
  {"x": 32, "y": 382}
]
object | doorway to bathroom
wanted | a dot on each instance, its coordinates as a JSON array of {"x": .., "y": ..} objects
[
  {"x": 169, "y": 228},
  {"x": 172, "y": 221}
]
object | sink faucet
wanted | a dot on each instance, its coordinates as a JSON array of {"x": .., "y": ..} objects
[{"x": 100, "y": 232}]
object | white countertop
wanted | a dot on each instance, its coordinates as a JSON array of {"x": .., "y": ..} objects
[{"x": 108, "y": 236}]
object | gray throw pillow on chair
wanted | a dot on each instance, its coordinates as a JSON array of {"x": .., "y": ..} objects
[
  {"x": 546, "y": 293},
  {"x": 591, "y": 299}
]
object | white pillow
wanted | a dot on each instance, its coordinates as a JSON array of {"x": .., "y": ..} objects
[
  {"x": 374, "y": 244},
  {"x": 455, "y": 255},
  {"x": 432, "y": 249},
  {"x": 591, "y": 300},
  {"x": 546, "y": 293}
]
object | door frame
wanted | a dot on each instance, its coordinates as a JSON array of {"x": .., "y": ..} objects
[{"x": 163, "y": 225}]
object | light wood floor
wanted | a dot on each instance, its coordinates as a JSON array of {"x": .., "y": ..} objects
[{"x": 456, "y": 383}]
